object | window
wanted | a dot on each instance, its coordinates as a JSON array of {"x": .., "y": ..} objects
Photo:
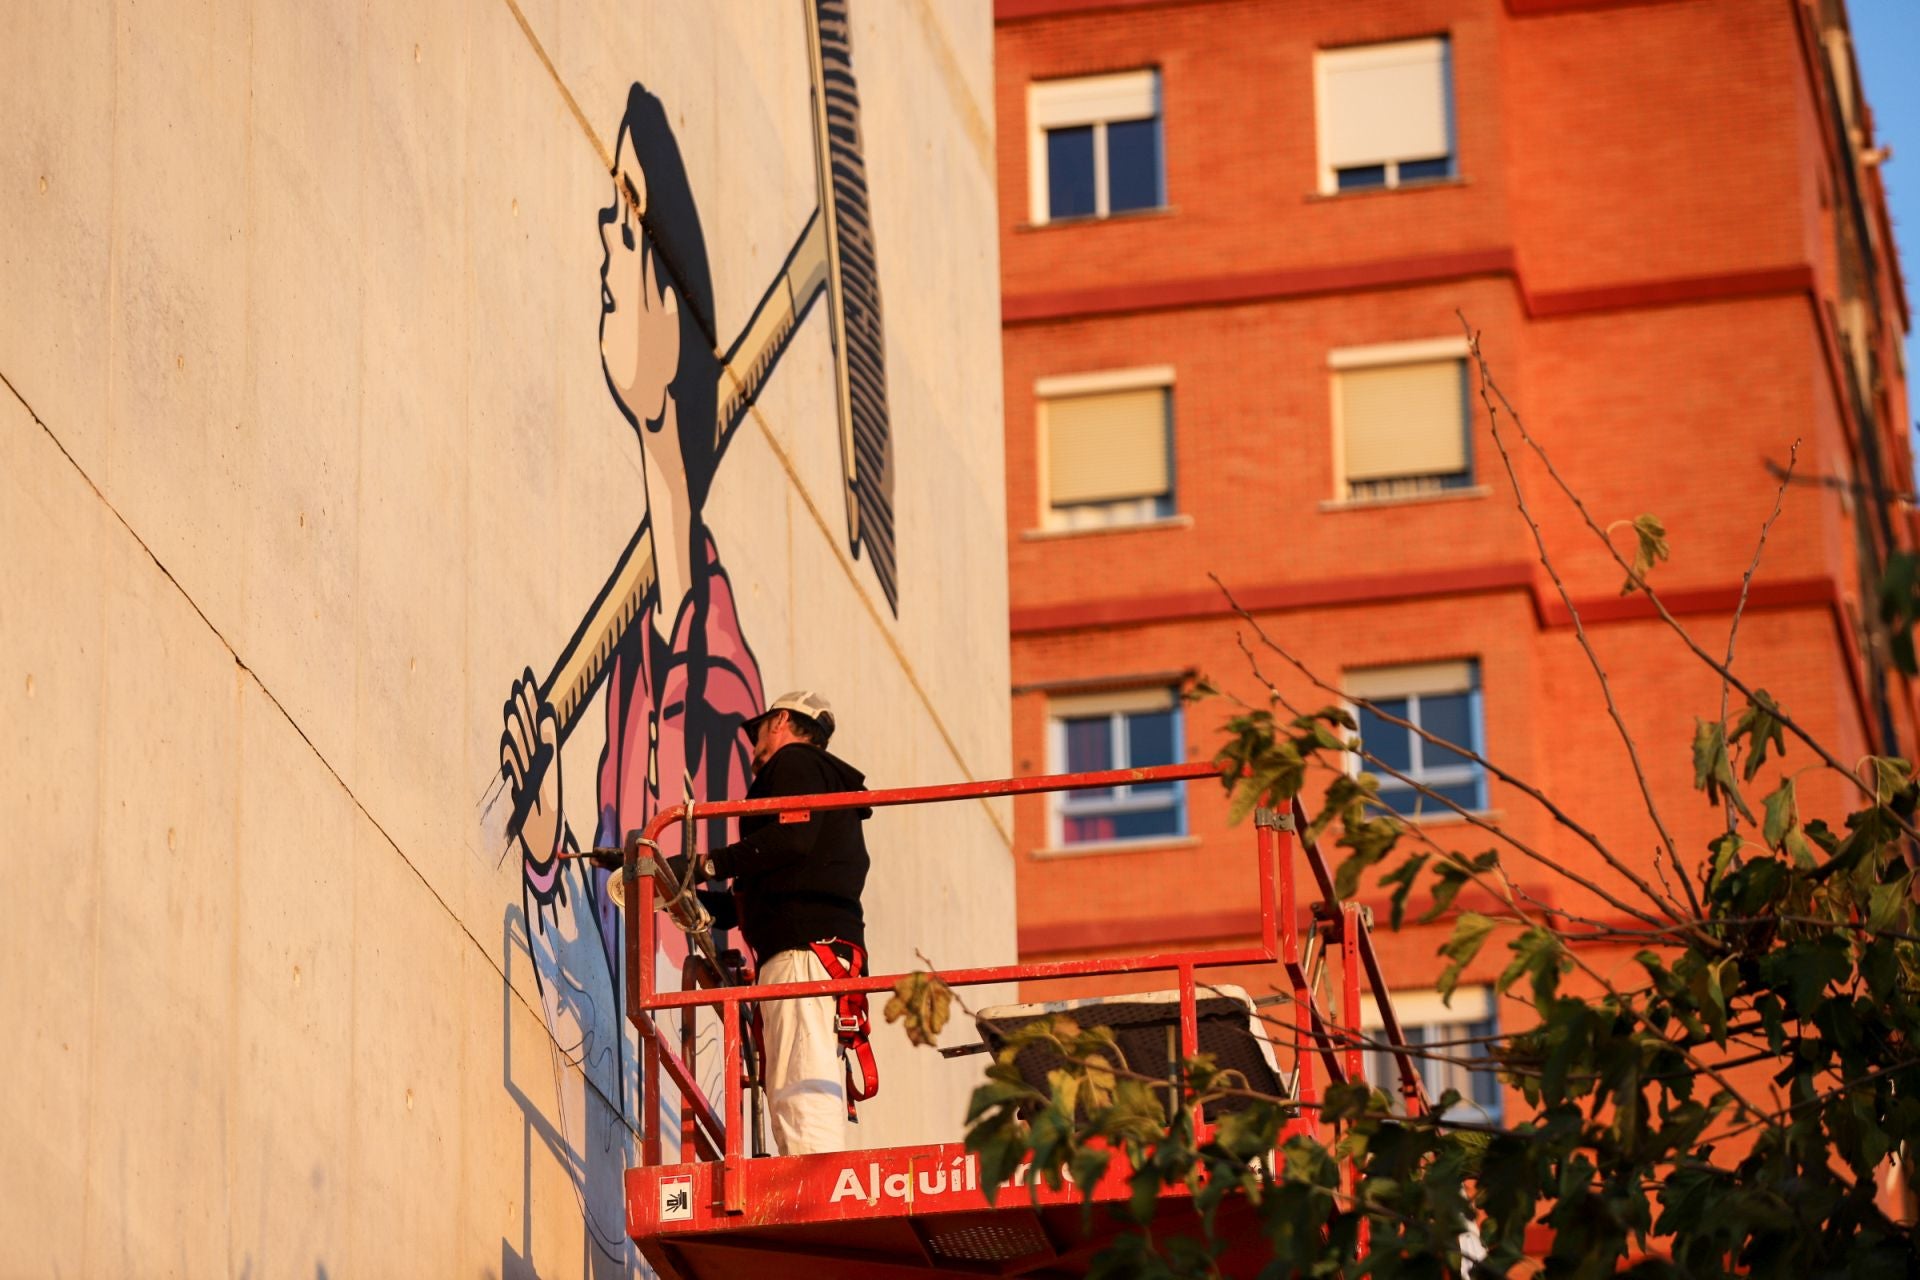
[
  {"x": 1440, "y": 1027},
  {"x": 1093, "y": 145},
  {"x": 1385, "y": 113},
  {"x": 1401, "y": 418},
  {"x": 1442, "y": 698},
  {"x": 1107, "y": 447},
  {"x": 1122, "y": 730}
]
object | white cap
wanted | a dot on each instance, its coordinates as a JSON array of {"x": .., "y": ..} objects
[{"x": 801, "y": 702}]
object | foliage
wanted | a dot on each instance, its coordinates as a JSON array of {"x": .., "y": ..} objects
[
  {"x": 1900, "y": 606},
  {"x": 1649, "y": 547},
  {"x": 921, "y": 1003}
]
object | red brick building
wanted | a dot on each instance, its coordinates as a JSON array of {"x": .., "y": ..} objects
[{"x": 1235, "y": 238}]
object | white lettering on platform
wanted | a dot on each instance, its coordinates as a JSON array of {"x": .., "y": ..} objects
[
  {"x": 866, "y": 1181},
  {"x": 848, "y": 1184}
]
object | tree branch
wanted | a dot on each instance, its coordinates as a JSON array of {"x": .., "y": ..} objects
[
  {"x": 1579, "y": 629},
  {"x": 1539, "y": 797},
  {"x": 1739, "y": 608},
  {"x": 1666, "y": 615}
]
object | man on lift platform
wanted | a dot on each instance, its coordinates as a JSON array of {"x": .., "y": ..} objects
[{"x": 796, "y": 899}]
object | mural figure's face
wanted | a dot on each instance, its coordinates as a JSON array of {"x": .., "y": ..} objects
[{"x": 639, "y": 310}]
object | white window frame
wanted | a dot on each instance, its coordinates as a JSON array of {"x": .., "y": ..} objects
[
  {"x": 1103, "y": 515},
  {"x": 1440, "y": 1021},
  {"x": 1329, "y": 177},
  {"x": 1117, "y": 704},
  {"x": 1411, "y": 682},
  {"x": 1098, "y": 101},
  {"x": 1383, "y": 355}
]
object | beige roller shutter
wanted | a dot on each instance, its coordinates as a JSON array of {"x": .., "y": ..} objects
[
  {"x": 1402, "y": 420},
  {"x": 1107, "y": 447},
  {"x": 1384, "y": 102},
  {"x": 1427, "y": 678}
]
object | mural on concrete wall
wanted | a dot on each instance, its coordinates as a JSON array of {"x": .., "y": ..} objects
[{"x": 664, "y": 637}]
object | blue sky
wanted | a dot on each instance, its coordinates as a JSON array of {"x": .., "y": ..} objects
[{"x": 1886, "y": 42}]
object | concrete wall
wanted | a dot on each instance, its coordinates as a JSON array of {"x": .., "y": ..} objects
[{"x": 307, "y": 452}]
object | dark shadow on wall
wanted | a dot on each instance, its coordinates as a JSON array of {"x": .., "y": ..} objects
[{"x": 595, "y": 1168}]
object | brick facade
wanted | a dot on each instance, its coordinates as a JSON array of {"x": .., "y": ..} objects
[{"x": 1657, "y": 224}]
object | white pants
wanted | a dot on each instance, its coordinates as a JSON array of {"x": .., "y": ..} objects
[{"x": 806, "y": 1085}]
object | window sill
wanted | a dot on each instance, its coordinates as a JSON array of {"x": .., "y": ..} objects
[
  {"x": 1448, "y": 818},
  {"x": 1360, "y": 193},
  {"x": 1405, "y": 500},
  {"x": 1095, "y": 219},
  {"x": 1147, "y": 844},
  {"x": 1131, "y": 526}
]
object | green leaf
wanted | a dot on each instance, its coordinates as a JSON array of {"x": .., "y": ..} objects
[
  {"x": 1726, "y": 855},
  {"x": 1370, "y": 842},
  {"x": 1712, "y": 770},
  {"x": 1891, "y": 776},
  {"x": 1402, "y": 878},
  {"x": 1453, "y": 875},
  {"x": 1712, "y": 987},
  {"x": 1469, "y": 935},
  {"x": 1537, "y": 954},
  {"x": 1757, "y": 886},
  {"x": 1903, "y": 651},
  {"x": 1804, "y": 970},
  {"x": 1900, "y": 605},
  {"x": 1871, "y": 833},
  {"x": 1796, "y": 845},
  {"x": 1762, "y": 726},
  {"x": 1347, "y": 1101},
  {"x": 921, "y": 1004},
  {"x": 1889, "y": 905},
  {"x": 1089, "y": 1165},
  {"x": 1346, "y": 802},
  {"x": 1001, "y": 1149},
  {"x": 1250, "y": 1131},
  {"x": 1650, "y": 546},
  {"x": 1065, "y": 1087},
  {"x": 1782, "y": 814}
]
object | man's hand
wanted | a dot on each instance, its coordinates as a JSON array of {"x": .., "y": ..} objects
[
  {"x": 530, "y": 762},
  {"x": 674, "y": 864}
]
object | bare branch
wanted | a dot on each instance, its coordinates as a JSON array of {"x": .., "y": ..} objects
[
  {"x": 1539, "y": 797},
  {"x": 1579, "y": 630},
  {"x": 1739, "y": 608},
  {"x": 1666, "y": 615}
]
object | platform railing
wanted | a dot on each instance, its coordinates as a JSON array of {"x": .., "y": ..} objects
[{"x": 1276, "y": 843}]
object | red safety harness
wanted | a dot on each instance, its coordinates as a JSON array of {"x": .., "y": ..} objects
[{"x": 850, "y": 1022}]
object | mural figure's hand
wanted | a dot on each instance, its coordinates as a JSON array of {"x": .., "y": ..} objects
[{"x": 530, "y": 762}]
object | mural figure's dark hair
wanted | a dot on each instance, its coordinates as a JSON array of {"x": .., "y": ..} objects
[{"x": 672, "y": 223}]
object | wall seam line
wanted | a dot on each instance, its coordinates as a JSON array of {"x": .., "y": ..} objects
[{"x": 294, "y": 724}]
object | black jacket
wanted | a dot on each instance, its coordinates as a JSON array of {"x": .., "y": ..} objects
[{"x": 797, "y": 883}]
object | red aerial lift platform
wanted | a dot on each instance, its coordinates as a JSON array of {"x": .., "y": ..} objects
[
  {"x": 919, "y": 1211},
  {"x": 899, "y": 1212}
]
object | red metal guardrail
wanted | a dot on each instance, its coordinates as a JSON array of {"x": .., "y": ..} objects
[{"x": 717, "y": 1131}]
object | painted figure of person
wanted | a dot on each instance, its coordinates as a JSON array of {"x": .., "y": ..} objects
[
  {"x": 679, "y": 681},
  {"x": 682, "y": 678}
]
